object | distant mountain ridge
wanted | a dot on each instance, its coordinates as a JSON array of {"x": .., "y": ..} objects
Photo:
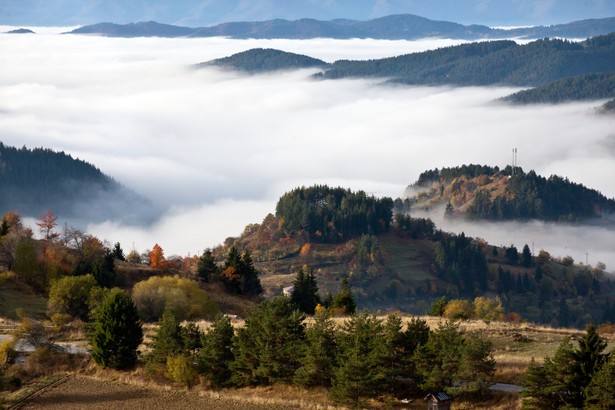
[
  {"x": 393, "y": 27},
  {"x": 501, "y": 62},
  {"x": 33, "y": 181}
]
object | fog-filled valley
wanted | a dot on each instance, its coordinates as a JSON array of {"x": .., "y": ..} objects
[{"x": 215, "y": 150}]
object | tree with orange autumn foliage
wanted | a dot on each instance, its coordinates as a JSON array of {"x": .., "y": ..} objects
[
  {"x": 46, "y": 224},
  {"x": 156, "y": 257}
]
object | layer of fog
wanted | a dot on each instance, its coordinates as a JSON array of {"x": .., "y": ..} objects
[
  {"x": 585, "y": 245},
  {"x": 217, "y": 149}
]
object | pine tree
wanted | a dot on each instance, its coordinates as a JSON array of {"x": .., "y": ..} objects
[
  {"x": 535, "y": 395},
  {"x": 438, "y": 361},
  {"x": 600, "y": 393},
  {"x": 526, "y": 256},
  {"x": 207, "y": 267},
  {"x": 319, "y": 358},
  {"x": 250, "y": 283},
  {"x": 362, "y": 351},
  {"x": 118, "y": 252},
  {"x": 266, "y": 348},
  {"x": 216, "y": 355},
  {"x": 589, "y": 357},
  {"x": 167, "y": 340},
  {"x": 344, "y": 300},
  {"x": 305, "y": 291},
  {"x": 117, "y": 332}
]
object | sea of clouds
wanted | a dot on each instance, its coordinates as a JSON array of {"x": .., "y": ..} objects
[{"x": 216, "y": 149}]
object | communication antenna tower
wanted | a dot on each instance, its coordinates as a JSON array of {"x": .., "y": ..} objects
[{"x": 514, "y": 160}]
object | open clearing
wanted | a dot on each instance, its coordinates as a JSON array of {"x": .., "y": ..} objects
[{"x": 82, "y": 392}]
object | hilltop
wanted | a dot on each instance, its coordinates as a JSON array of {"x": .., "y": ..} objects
[
  {"x": 392, "y": 27},
  {"x": 483, "y": 192},
  {"x": 264, "y": 60}
]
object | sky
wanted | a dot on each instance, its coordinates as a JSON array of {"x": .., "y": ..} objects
[
  {"x": 208, "y": 12},
  {"x": 217, "y": 149}
]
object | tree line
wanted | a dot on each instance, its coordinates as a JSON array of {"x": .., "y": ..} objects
[{"x": 365, "y": 357}]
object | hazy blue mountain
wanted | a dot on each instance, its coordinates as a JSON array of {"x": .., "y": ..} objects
[
  {"x": 402, "y": 26},
  {"x": 204, "y": 13},
  {"x": 33, "y": 181},
  {"x": 263, "y": 60},
  {"x": 142, "y": 29},
  {"x": 20, "y": 31}
]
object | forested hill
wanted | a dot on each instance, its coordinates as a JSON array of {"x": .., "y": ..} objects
[
  {"x": 593, "y": 86},
  {"x": 393, "y": 27},
  {"x": 263, "y": 60},
  {"x": 488, "y": 63},
  {"x": 482, "y": 192},
  {"x": 33, "y": 181}
]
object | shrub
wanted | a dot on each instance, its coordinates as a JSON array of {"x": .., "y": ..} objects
[
  {"x": 188, "y": 301},
  {"x": 458, "y": 309},
  {"x": 71, "y": 295},
  {"x": 7, "y": 353},
  {"x": 180, "y": 370}
]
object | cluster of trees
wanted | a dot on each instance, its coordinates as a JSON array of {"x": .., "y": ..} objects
[
  {"x": 461, "y": 261},
  {"x": 486, "y": 63},
  {"x": 416, "y": 228},
  {"x": 533, "y": 196},
  {"x": 39, "y": 263},
  {"x": 580, "y": 376},
  {"x": 593, "y": 86},
  {"x": 334, "y": 214},
  {"x": 364, "y": 358}
]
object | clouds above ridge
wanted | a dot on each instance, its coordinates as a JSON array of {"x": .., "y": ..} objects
[{"x": 217, "y": 149}]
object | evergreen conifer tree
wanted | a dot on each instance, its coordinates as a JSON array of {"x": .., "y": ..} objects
[
  {"x": 266, "y": 348},
  {"x": 207, "y": 268},
  {"x": 344, "y": 300},
  {"x": 116, "y": 333},
  {"x": 319, "y": 358},
  {"x": 362, "y": 351},
  {"x": 589, "y": 357},
  {"x": 600, "y": 393},
  {"x": 167, "y": 340},
  {"x": 526, "y": 256},
  {"x": 215, "y": 356},
  {"x": 305, "y": 291},
  {"x": 250, "y": 283}
]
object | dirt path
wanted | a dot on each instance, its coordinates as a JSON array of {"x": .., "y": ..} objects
[{"x": 90, "y": 394}]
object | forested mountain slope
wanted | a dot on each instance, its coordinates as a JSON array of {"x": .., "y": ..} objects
[
  {"x": 33, "y": 181},
  {"x": 593, "y": 86},
  {"x": 488, "y": 63},
  {"x": 483, "y": 192},
  {"x": 401, "y": 262}
]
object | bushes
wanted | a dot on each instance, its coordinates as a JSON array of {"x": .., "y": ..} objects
[
  {"x": 188, "y": 301},
  {"x": 71, "y": 295}
]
